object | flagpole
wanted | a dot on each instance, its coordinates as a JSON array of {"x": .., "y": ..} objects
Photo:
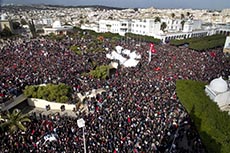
[
  {"x": 150, "y": 54},
  {"x": 84, "y": 139}
]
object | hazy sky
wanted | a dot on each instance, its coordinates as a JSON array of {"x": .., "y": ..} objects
[{"x": 200, "y": 4}]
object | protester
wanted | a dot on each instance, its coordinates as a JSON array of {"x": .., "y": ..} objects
[{"x": 138, "y": 112}]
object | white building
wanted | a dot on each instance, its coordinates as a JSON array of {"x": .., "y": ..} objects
[
  {"x": 141, "y": 27},
  {"x": 173, "y": 25},
  {"x": 57, "y": 28},
  {"x": 47, "y": 21},
  {"x": 174, "y": 29},
  {"x": 93, "y": 26},
  {"x": 227, "y": 45},
  {"x": 218, "y": 90},
  {"x": 115, "y": 26}
]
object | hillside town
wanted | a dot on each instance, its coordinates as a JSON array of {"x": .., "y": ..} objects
[{"x": 164, "y": 24}]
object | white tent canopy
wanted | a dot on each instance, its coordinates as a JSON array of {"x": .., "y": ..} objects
[{"x": 131, "y": 61}]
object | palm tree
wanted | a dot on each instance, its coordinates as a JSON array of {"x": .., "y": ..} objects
[
  {"x": 163, "y": 26},
  {"x": 32, "y": 28},
  {"x": 13, "y": 121},
  {"x": 173, "y": 15},
  {"x": 157, "y": 19},
  {"x": 182, "y": 24},
  {"x": 182, "y": 16}
]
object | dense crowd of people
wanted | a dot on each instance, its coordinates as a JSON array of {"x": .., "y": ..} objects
[{"x": 138, "y": 112}]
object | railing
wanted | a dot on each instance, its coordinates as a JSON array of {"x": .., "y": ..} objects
[
  {"x": 4, "y": 104},
  {"x": 12, "y": 102}
]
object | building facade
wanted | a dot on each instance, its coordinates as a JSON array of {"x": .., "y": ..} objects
[
  {"x": 227, "y": 45},
  {"x": 57, "y": 29},
  {"x": 5, "y": 23},
  {"x": 175, "y": 28}
]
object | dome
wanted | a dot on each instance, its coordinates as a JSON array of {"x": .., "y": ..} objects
[
  {"x": 219, "y": 85},
  {"x": 57, "y": 24},
  {"x": 3, "y": 16}
]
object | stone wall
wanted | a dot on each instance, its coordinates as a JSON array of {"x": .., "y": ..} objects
[{"x": 40, "y": 103}]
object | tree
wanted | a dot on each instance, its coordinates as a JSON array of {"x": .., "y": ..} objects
[
  {"x": 13, "y": 121},
  {"x": 212, "y": 124},
  {"x": 16, "y": 25},
  {"x": 135, "y": 9},
  {"x": 32, "y": 28},
  {"x": 101, "y": 72},
  {"x": 58, "y": 93},
  {"x": 173, "y": 15},
  {"x": 40, "y": 31},
  {"x": 163, "y": 26},
  {"x": 157, "y": 19},
  {"x": 75, "y": 49},
  {"x": 182, "y": 24},
  {"x": 6, "y": 32},
  {"x": 86, "y": 21},
  {"x": 81, "y": 22},
  {"x": 23, "y": 22}
]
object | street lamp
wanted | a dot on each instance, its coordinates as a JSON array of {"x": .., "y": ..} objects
[{"x": 81, "y": 124}]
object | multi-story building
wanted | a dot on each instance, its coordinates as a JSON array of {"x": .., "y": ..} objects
[
  {"x": 5, "y": 23},
  {"x": 173, "y": 25},
  {"x": 47, "y": 21},
  {"x": 174, "y": 28},
  {"x": 115, "y": 26}
]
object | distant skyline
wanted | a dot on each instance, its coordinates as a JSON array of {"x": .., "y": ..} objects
[{"x": 194, "y": 4}]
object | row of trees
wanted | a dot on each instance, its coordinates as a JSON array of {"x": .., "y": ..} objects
[
  {"x": 212, "y": 124},
  {"x": 112, "y": 36},
  {"x": 142, "y": 37},
  {"x": 58, "y": 93},
  {"x": 201, "y": 44}
]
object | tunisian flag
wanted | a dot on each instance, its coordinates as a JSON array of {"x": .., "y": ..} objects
[
  {"x": 152, "y": 48},
  {"x": 157, "y": 69},
  {"x": 213, "y": 54}
]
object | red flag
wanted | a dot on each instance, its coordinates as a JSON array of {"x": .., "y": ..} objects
[
  {"x": 157, "y": 69},
  {"x": 213, "y": 54},
  {"x": 151, "y": 46},
  {"x": 152, "y": 49},
  {"x": 129, "y": 120}
]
